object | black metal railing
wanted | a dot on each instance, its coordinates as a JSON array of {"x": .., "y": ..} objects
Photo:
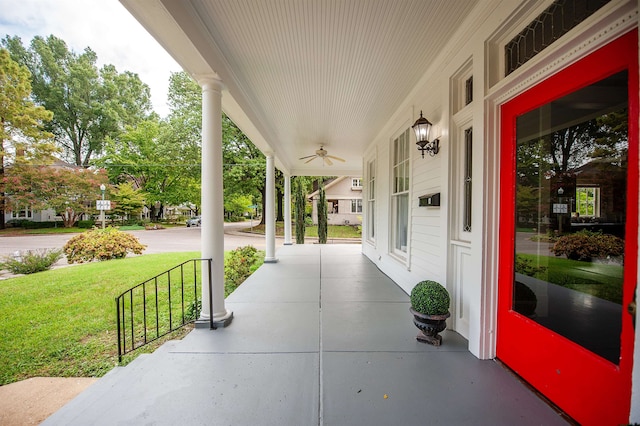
[{"x": 160, "y": 305}]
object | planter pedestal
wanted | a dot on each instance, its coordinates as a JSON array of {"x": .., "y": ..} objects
[{"x": 429, "y": 326}]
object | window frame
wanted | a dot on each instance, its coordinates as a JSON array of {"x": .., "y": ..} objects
[
  {"x": 400, "y": 194},
  {"x": 371, "y": 200}
]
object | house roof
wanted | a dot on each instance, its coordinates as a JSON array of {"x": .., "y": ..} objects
[
  {"x": 328, "y": 185},
  {"x": 305, "y": 73}
]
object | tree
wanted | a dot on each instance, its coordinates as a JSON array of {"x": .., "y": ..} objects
[
  {"x": 128, "y": 201},
  {"x": 237, "y": 206},
  {"x": 22, "y": 138},
  {"x": 89, "y": 105},
  {"x": 300, "y": 211},
  {"x": 152, "y": 160},
  {"x": 322, "y": 216},
  {"x": 70, "y": 191},
  {"x": 244, "y": 165},
  {"x": 184, "y": 132}
]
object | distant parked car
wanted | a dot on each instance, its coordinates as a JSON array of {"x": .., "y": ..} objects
[{"x": 194, "y": 221}]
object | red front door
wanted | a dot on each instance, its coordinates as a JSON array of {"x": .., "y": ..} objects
[{"x": 569, "y": 231}]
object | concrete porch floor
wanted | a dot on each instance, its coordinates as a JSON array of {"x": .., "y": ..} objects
[{"x": 320, "y": 338}]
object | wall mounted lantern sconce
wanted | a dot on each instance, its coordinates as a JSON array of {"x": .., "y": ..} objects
[{"x": 422, "y": 127}]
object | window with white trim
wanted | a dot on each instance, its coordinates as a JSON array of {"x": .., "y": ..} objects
[
  {"x": 356, "y": 183},
  {"x": 25, "y": 213},
  {"x": 400, "y": 194},
  {"x": 356, "y": 206},
  {"x": 371, "y": 200},
  {"x": 588, "y": 201}
]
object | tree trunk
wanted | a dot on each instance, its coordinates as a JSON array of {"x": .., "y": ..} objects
[
  {"x": 263, "y": 191},
  {"x": 3, "y": 202}
]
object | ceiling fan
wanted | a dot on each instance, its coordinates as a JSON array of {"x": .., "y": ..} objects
[{"x": 321, "y": 153}]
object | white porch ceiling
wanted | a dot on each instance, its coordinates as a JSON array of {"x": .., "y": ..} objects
[{"x": 305, "y": 73}]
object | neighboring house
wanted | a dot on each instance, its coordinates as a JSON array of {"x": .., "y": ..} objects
[
  {"x": 497, "y": 78},
  {"x": 344, "y": 201}
]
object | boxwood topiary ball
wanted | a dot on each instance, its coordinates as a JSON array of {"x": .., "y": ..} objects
[{"x": 430, "y": 298}]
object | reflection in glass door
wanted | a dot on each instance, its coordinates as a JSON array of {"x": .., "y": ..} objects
[
  {"x": 568, "y": 233},
  {"x": 571, "y": 185}
]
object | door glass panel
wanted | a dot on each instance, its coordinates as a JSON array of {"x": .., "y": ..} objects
[{"x": 571, "y": 186}]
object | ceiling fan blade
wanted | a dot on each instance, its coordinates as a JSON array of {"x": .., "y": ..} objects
[
  {"x": 326, "y": 159},
  {"x": 311, "y": 159},
  {"x": 308, "y": 156},
  {"x": 336, "y": 158}
]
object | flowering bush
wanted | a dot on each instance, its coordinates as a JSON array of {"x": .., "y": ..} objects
[
  {"x": 586, "y": 245},
  {"x": 101, "y": 244},
  {"x": 238, "y": 266}
]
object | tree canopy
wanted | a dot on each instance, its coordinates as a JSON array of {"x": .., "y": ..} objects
[
  {"x": 89, "y": 104},
  {"x": 22, "y": 138}
]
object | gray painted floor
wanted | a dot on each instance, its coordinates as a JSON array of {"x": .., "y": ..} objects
[{"x": 320, "y": 338}]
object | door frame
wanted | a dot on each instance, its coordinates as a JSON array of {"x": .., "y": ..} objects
[{"x": 545, "y": 380}]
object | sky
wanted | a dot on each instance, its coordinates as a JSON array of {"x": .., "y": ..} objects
[{"x": 103, "y": 25}]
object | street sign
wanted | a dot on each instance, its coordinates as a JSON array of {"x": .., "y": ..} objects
[
  {"x": 103, "y": 204},
  {"x": 253, "y": 206},
  {"x": 560, "y": 208}
]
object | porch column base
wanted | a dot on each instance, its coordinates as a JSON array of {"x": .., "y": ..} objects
[
  {"x": 287, "y": 244},
  {"x": 220, "y": 322},
  {"x": 271, "y": 260}
]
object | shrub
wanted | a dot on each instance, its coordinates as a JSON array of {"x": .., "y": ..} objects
[
  {"x": 17, "y": 223},
  {"x": 31, "y": 261},
  {"x": 28, "y": 224},
  {"x": 322, "y": 217},
  {"x": 525, "y": 266},
  {"x": 586, "y": 245},
  {"x": 192, "y": 312},
  {"x": 153, "y": 226},
  {"x": 430, "y": 298},
  {"x": 86, "y": 224},
  {"x": 239, "y": 265},
  {"x": 101, "y": 244}
]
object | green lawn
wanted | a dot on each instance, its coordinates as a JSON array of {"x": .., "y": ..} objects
[
  {"x": 61, "y": 323},
  {"x": 333, "y": 231},
  {"x": 600, "y": 280}
]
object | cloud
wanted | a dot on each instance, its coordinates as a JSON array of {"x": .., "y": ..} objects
[{"x": 103, "y": 25}]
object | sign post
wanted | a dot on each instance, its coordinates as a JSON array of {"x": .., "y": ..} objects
[{"x": 103, "y": 205}]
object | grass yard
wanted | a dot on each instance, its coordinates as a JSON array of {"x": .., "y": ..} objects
[
  {"x": 333, "y": 231},
  {"x": 61, "y": 323},
  {"x": 600, "y": 280}
]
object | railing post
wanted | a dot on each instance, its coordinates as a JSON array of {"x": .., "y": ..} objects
[{"x": 118, "y": 327}]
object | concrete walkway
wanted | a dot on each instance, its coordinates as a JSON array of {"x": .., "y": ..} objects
[{"x": 320, "y": 338}]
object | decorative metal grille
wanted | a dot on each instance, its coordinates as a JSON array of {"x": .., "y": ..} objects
[
  {"x": 557, "y": 20},
  {"x": 468, "y": 171},
  {"x": 468, "y": 91}
]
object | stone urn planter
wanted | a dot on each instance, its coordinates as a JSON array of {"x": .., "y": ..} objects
[
  {"x": 430, "y": 309},
  {"x": 429, "y": 326}
]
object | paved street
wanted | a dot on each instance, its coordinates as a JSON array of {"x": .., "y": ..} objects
[
  {"x": 158, "y": 241},
  {"x": 168, "y": 240}
]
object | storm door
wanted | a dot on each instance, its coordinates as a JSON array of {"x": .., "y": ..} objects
[{"x": 568, "y": 244}]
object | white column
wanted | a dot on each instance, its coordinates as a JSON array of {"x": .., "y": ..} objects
[
  {"x": 270, "y": 214},
  {"x": 212, "y": 240},
  {"x": 287, "y": 210}
]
